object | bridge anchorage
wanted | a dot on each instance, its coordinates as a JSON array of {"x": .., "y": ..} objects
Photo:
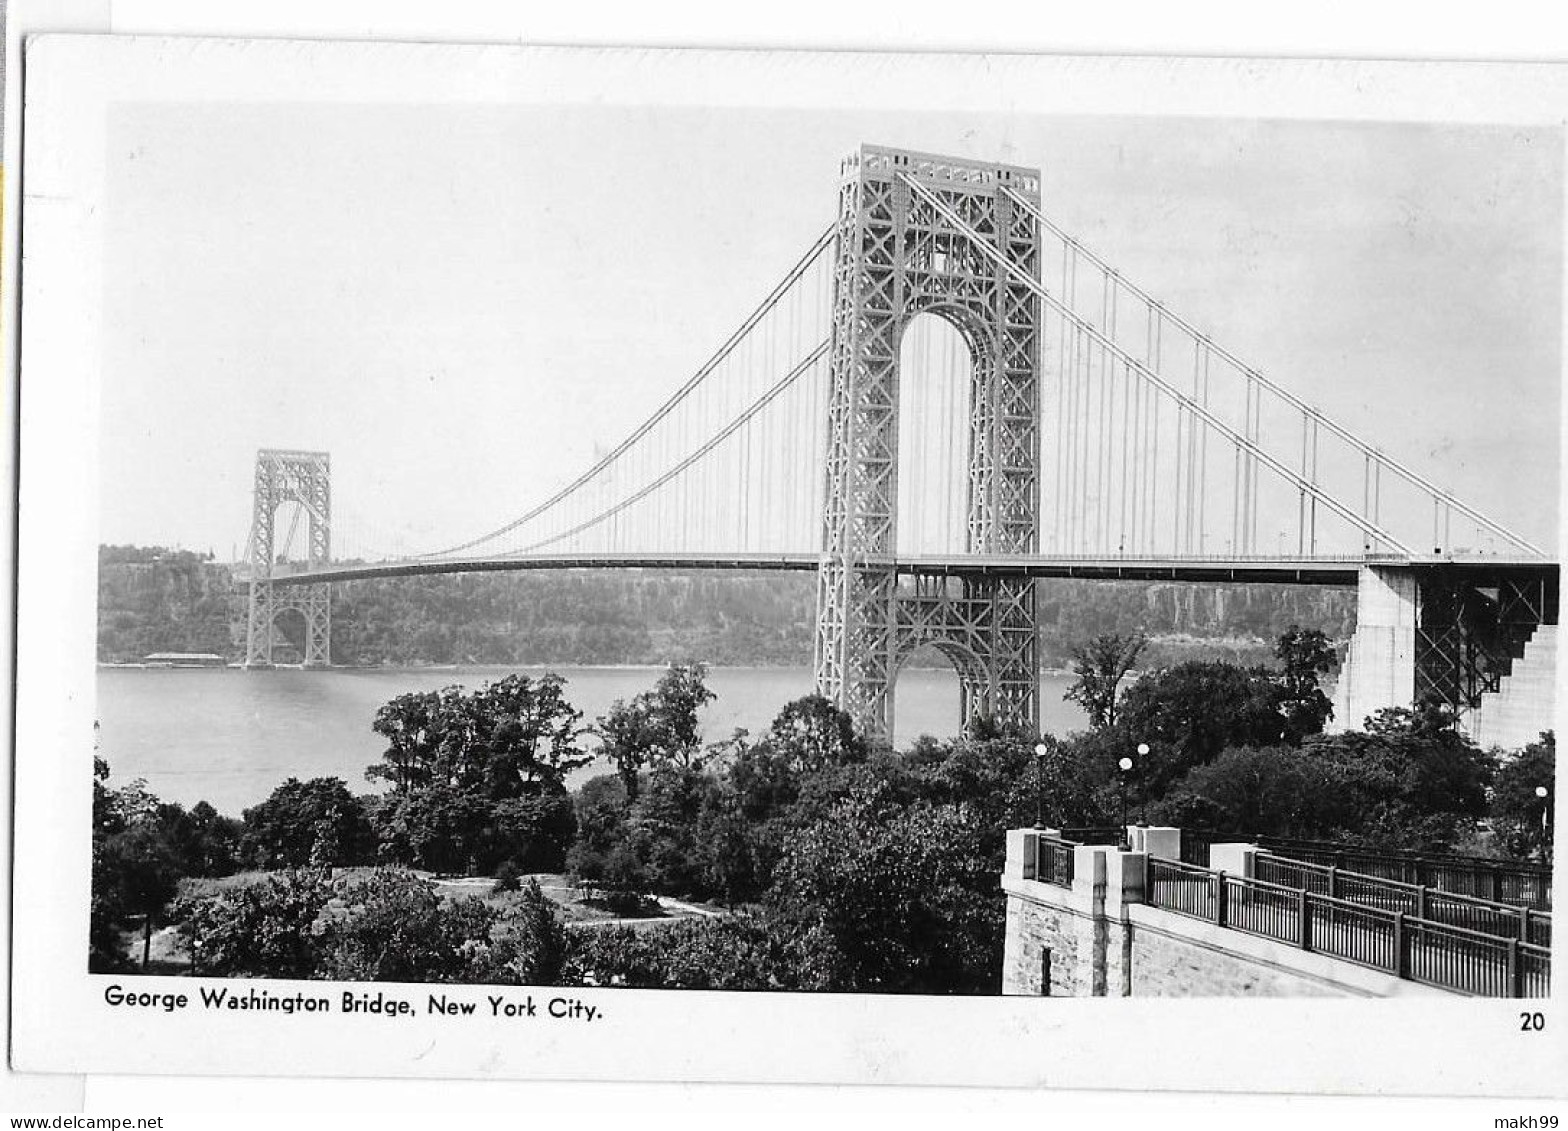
[{"x": 1160, "y": 456}]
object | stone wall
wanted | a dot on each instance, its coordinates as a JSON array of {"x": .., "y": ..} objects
[
  {"x": 1051, "y": 944},
  {"x": 1035, "y": 930},
  {"x": 1176, "y": 964},
  {"x": 1103, "y": 940}
]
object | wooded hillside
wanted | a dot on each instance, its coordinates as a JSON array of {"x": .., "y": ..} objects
[{"x": 157, "y": 600}]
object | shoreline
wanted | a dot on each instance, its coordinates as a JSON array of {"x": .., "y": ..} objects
[{"x": 132, "y": 665}]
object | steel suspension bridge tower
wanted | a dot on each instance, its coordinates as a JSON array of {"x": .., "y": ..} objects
[
  {"x": 896, "y": 257},
  {"x": 933, "y": 499},
  {"x": 304, "y": 478}
]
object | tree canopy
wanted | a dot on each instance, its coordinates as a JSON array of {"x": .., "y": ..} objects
[
  {"x": 1306, "y": 657},
  {"x": 508, "y": 738},
  {"x": 478, "y": 777},
  {"x": 312, "y": 823},
  {"x": 1099, "y": 667},
  {"x": 658, "y": 727},
  {"x": 1520, "y": 815}
]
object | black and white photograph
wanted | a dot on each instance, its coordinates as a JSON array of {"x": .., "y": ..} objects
[{"x": 551, "y": 548}]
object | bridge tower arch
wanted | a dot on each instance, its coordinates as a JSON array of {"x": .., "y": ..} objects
[
  {"x": 895, "y": 258},
  {"x": 289, "y": 477}
]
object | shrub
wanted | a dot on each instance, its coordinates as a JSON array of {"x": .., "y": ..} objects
[{"x": 507, "y": 878}]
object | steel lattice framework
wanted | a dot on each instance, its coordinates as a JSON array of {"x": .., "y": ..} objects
[
  {"x": 896, "y": 257},
  {"x": 1162, "y": 455},
  {"x": 1473, "y": 624},
  {"x": 284, "y": 477}
]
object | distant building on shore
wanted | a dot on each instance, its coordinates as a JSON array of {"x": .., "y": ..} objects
[{"x": 185, "y": 660}]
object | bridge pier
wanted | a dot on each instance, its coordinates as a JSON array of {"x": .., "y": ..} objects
[
  {"x": 267, "y": 601},
  {"x": 1450, "y": 632},
  {"x": 1379, "y": 669}
]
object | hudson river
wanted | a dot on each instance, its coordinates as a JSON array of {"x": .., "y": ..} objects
[{"x": 228, "y": 736}]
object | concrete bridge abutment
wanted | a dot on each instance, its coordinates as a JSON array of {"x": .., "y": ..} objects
[
  {"x": 1477, "y": 637},
  {"x": 1380, "y": 667}
]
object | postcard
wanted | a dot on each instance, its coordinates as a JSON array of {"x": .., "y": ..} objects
[{"x": 786, "y": 567}]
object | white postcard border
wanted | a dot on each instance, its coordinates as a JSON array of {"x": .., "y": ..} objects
[{"x": 61, "y": 1021}]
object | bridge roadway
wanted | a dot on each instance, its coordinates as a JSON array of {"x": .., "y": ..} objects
[{"x": 1288, "y": 569}]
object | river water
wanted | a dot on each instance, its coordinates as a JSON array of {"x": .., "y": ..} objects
[{"x": 229, "y": 736}]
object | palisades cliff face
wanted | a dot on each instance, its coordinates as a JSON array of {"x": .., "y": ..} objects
[{"x": 152, "y": 599}]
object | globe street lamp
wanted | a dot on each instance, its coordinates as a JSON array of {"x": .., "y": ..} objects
[
  {"x": 1040, "y": 751},
  {"x": 1125, "y": 764},
  {"x": 1546, "y": 824},
  {"x": 1143, "y": 803}
]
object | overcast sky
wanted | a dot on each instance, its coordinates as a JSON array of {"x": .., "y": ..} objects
[{"x": 461, "y": 304}]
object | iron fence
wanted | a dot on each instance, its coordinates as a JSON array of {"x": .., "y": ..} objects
[
  {"x": 1485, "y": 916},
  {"x": 1097, "y": 834},
  {"x": 1183, "y": 888},
  {"x": 1054, "y": 860},
  {"x": 1382, "y": 938},
  {"x": 1196, "y": 843},
  {"x": 1500, "y": 881}
]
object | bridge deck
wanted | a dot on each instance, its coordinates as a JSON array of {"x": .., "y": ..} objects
[{"x": 1298, "y": 570}]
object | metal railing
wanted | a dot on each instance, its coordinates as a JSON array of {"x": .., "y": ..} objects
[
  {"x": 1500, "y": 881},
  {"x": 1097, "y": 834},
  {"x": 1195, "y": 844},
  {"x": 1513, "y": 882},
  {"x": 1486, "y": 916},
  {"x": 1436, "y": 954},
  {"x": 1054, "y": 860}
]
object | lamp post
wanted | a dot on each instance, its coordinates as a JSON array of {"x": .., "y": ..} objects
[
  {"x": 1125, "y": 764},
  {"x": 1040, "y": 751},
  {"x": 1143, "y": 799},
  {"x": 1546, "y": 822}
]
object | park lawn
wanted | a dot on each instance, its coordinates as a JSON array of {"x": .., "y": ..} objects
[
  {"x": 572, "y": 901},
  {"x": 575, "y": 904}
]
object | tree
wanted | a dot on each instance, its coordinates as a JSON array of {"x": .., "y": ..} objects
[
  {"x": 661, "y": 850},
  {"x": 1412, "y": 779},
  {"x": 316, "y": 823},
  {"x": 479, "y": 777},
  {"x": 105, "y": 954},
  {"x": 1190, "y": 712},
  {"x": 414, "y": 726},
  {"x": 532, "y": 833},
  {"x": 528, "y": 944},
  {"x": 600, "y": 806},
  {"x": 135, "y": 868},
  {"x": 521, "y": 737},
  {"x": 813, "y": 734},
  {"x": 207, "y": 843},
  {"x": 680, "y": 693},
  {"x": 1100, "y": 666},
  {"x": 512, "y": 737},
  {"x": 759, "y": 951},
  {"x": 142, "y": 870},
  {"x": 903, "y": 893},
  {"x": 628, "y": 738},
  {"x": 1518, "y": 813},
  {"x": 439, "y": 828},
  {"x": 999, "y": 783},
  {"x": 1307, "y": 656},
  {"x": 657, "y": 727},
  {"x": 395, "y": 928},
  {"x": 1267, "y": 791},
  {"x": 259, "y": 930}
]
